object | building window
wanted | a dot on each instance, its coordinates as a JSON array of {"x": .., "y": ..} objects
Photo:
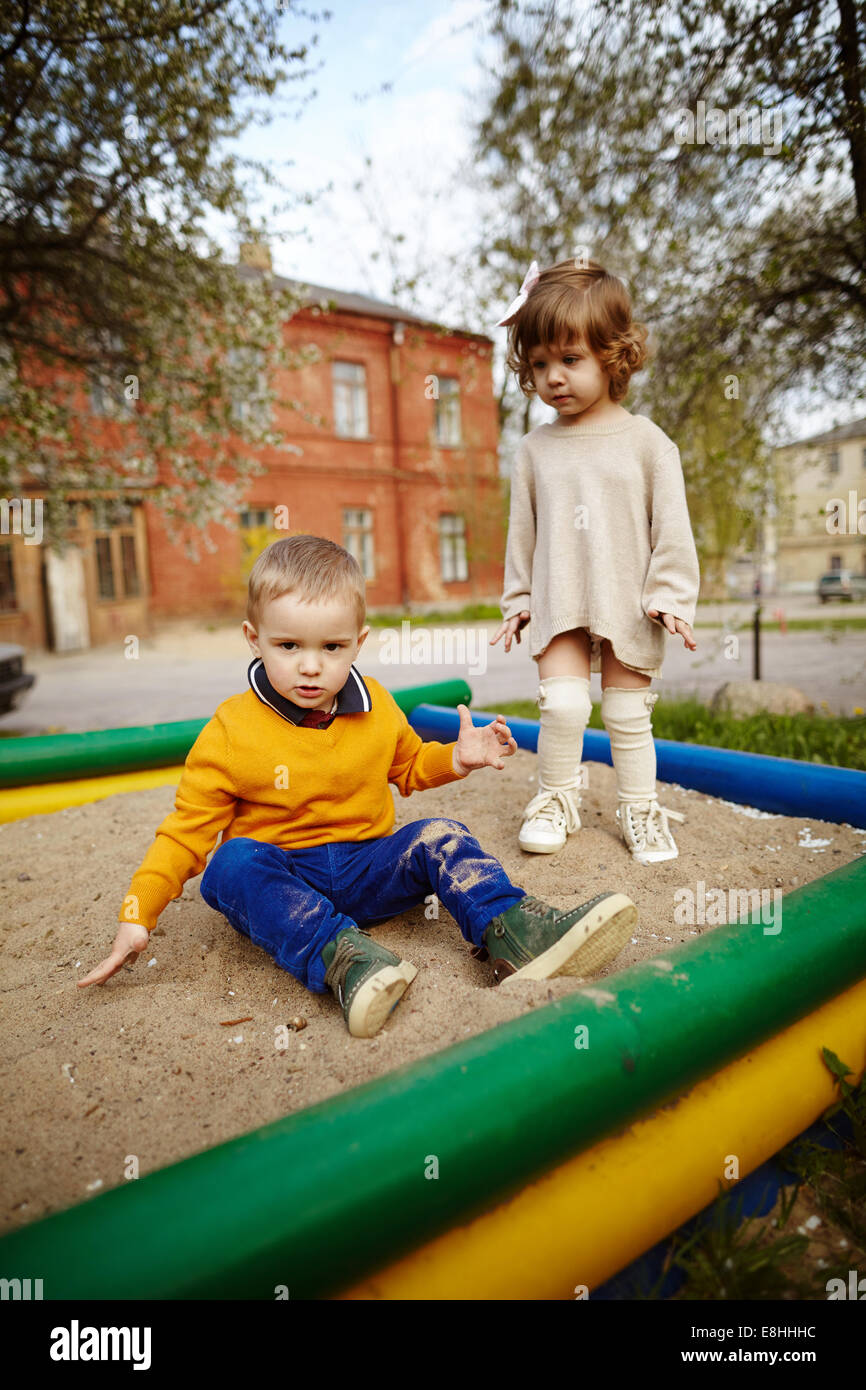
[
  {"x": 8, "y": 596},
  {"x": 104, "y": 569},
  {"x": 117, "y": 574},
  {"x": 108, "y": 388},
  {"x": 835, "y": 562},
  {"x": 108, "y": 397},
  {"x": 7, "y": 373},
  {"x": 350, "y": 400},
  {"x": 358, "y": 538},
  {"x": 452, "y": 547},
  {"x": 131, "y": 586},
  {"x": 447, "y": 412},
  {"x": 833, "y": 461},
  {"x": 253, "y": 517},
  {"x": 249, "y": 396},
  {"x": 864, "y": 455}
]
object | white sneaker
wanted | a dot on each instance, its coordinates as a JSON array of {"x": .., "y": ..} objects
[
  {"x": 549, "y": 819},
  {"x": 645, "y": 829}
]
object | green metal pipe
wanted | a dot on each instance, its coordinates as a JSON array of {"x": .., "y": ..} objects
[
  {"x": 319, "y": 1199},
  {"x": 65, "y": 757}
]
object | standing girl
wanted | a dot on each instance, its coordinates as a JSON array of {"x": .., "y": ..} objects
[{"x": 600, "y": 555}]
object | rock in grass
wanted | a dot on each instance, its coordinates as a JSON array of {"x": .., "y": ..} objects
[{"x": 742, "y": 698}]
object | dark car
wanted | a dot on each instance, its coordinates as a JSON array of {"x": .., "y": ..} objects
[
  {"x": 15, "y": 682},
  {"x": 841, "y": 584}
]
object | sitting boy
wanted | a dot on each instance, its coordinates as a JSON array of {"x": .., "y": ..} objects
[{"x": 294, "y": 772}]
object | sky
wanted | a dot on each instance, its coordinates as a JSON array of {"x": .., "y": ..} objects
[
  {"x": 416, "y": 134},
  {"x": 416, "y": 130}
]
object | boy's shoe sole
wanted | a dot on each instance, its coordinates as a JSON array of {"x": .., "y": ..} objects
[
  {"x": 589, "y": 945},
  {"x": 377, "y": 997}
]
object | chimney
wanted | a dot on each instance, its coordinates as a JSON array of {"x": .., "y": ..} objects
[{"x": 256, "y": 254}]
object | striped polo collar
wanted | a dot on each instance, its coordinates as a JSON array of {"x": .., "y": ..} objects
[{"x": 354, "y": 697}]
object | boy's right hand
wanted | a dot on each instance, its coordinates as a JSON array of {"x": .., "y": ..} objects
[
  {"x": 131, "y": 939},
  {"x": 511, "y": 628}
]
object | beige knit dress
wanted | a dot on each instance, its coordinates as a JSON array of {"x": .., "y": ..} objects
[{"x": 598, "y": 533}]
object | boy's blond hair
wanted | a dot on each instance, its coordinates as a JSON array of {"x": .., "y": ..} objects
[
  {"x": 571, "y": 302},
  {"x": 313, "y": 568}
]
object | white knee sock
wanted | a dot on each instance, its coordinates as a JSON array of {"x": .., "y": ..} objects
[
  {"x": 627, "y": 716},
  {"x": 564, "y": 707}
]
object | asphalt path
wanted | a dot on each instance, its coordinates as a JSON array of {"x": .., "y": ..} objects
[{"x": 184, "y": 671}]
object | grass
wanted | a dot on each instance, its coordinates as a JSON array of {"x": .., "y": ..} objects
[
  {"x": 488, "y": 612},
  {"x": 732, "y": 1259},
  {"x": 795, "y": 625},
  {"x": 470, "y": 613},
  {"x": 816, "y": 738},
  {"x": 838, "y": 1176},
  {"x": 757, "y": 1259}
]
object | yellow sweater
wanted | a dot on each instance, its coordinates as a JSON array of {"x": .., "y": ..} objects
[{"x": 251, "y": 772}]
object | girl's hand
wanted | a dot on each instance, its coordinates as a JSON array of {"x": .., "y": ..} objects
[
  {"x": 511, "y": 628},
  {"x": 130, "y": 941},
  {"x": 675, "y": 625},
  {"x": 483, "y": 747}
]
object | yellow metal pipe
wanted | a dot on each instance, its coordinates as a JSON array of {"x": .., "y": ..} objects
[
  {"x": 16, "y": 803},
  {"x": 587, "y": 1219}
]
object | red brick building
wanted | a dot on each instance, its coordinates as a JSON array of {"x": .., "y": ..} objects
[{"x": 393, "y": 454}]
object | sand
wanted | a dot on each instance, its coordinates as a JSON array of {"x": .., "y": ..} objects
[{"x": 144, "y": 1068}]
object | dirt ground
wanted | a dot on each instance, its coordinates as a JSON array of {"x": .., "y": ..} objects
[{"x": 147, "y": 1066}]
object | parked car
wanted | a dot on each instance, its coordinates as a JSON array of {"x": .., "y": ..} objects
[
  {"x": 841, "y": 584},
  {"x": 15, "y": 682}
]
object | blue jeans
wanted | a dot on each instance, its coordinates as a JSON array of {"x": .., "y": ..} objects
[{"x": 292, "y": 902}]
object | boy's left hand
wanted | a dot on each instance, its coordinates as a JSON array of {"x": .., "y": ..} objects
[
  {"x": 484, "y": 747},
  {"x": 675, "y": 625}
]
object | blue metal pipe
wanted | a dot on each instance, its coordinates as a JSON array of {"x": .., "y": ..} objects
[{"x": 784, "y": 785}]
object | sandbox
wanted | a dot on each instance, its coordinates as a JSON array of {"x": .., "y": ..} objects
[{"x": 473, "y": 1115}]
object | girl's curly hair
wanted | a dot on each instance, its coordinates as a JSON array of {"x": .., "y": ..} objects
[{"x": 576, "y": 302}]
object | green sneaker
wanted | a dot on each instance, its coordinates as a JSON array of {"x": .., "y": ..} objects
[
  {"x": 534, "y": 941},
  {"x": 367, "y": 979}
]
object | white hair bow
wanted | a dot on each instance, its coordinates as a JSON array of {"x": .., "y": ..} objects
[{"x": 529, "y": 280}]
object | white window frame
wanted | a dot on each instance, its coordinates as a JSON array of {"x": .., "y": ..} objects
[
  {"x": 256, "y": 410},
  {"x": 108, "y": 397},
  {"x": 351, "y": 409},
  {"x": 452, "y": 548},
  {"x": 7, "y": 373},
  {"x": 446, "y": 413},
  {"x": 358, "y": 538}
]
